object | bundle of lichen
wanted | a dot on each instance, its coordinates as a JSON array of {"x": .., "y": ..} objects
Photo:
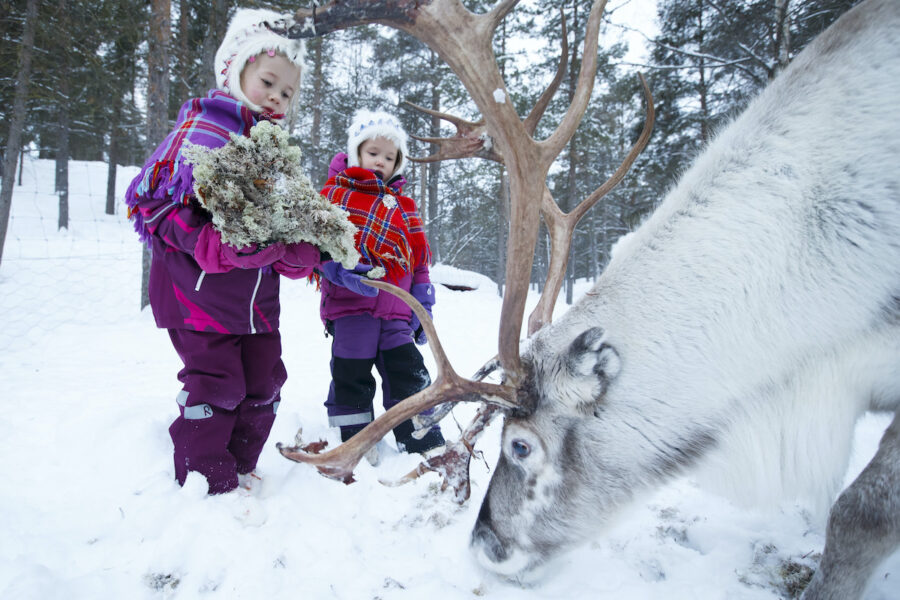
[{"x": 256, "y": 193}]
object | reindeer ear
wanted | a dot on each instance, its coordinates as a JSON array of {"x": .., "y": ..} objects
[{"x": 590, "y": 356}]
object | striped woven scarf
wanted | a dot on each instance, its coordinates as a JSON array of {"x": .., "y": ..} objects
[
  {"x": 203, "y": 121},
  {"x": 391, "y": 233}
]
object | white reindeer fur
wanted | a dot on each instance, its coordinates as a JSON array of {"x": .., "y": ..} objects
[
  {"x": 759, "y": 305},
  {"x": 788, "y": 364}
]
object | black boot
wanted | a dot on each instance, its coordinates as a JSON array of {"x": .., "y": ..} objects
[{"x": 432, "y": 443}]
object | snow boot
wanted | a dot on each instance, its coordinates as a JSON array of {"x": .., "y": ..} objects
[
  {"x": 201, "y": 435},
  {"x": 431, "y": 444},
  {"x": 373, "y": 454}
]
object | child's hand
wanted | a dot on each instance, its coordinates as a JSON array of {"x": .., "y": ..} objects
[
  {"x": 424, "y": 293},
  {"x": 251, "y": 257},
  {"x": 338, "y": 275},
  {"x": 338, "y": 164},
  {"x": 298, "y": 261},
  {"x": 214, "y": 256}
]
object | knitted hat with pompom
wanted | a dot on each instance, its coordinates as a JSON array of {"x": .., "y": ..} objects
[
  {"x": 246, "y": 37},
  {"x": 367, "y": 125}
]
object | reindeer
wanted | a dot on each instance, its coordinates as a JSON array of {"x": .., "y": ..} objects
[{"x": 739, "y": 332}]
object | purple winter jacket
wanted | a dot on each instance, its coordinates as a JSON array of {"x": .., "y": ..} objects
[
  {"x": 338, "y": 301},
  {"x": 169, "y": 218}
]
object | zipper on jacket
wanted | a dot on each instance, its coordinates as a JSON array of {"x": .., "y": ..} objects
[
  {"x": 253, "y": 299},
  {"x": 199, "y": 281}
]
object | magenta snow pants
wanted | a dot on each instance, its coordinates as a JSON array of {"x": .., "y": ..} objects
[{"x": 231, "y": 390}]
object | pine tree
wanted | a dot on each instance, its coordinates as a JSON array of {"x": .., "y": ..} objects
[
  {"x": 711, "y": 58},
  {"x": 119, "y": 65}
]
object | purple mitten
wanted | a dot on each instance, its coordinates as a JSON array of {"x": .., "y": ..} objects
[
  {"x": 208, "y": 251},
  {"x": 251, "y": 257},
  {"x": 397, "y": 182},
  {"x": 424, "y": 293},
  {"x": 215, "y": 256},
  {"x": 338, "y": 275},
  {"x": 338, "y": 164},
  {"x": 298, "y": 261}
]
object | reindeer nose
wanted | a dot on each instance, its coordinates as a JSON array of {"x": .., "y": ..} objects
[{"x": 484, "y": 537}]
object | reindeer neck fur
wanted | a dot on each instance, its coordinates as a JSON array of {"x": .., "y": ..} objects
[{"x": 756, "y": 311}]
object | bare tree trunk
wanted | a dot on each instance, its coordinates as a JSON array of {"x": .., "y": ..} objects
[
  {"x": 157, "y": 101},
  {"x": 112, "y": 152},
  {"x": 570, "y": 276},
  {"x": 62, "y": 158},
  {"x": 569, "y": 201},
  {"x": 423, "y": 189},
  {"x": 503, "y": 199},
  {"x": 218, "y": 23},
  {"x": 702, "y": 88},
  {"x": 62, "y": 136},
  {"x": 182, "y": 88},
  {"x": 318, "y": 84},
  {"x": 544, "y": 259},
  {"x": 782, "y": 36},
  {"x": 433, "y": 224},
  {"x": 594, "y": 251},
  {"x": 17, "y": 123},
  {"x": 502, "y": 230},
  {"x": 111, "y": 183},
  {"x": 21, "y": 164}
]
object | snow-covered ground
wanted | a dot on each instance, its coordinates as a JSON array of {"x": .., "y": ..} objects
[{"x": 90, "y": 510}]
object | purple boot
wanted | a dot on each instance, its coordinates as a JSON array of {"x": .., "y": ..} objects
[
  {"x": 201, "y": 435},
  {"x": 251, "y": 430}
]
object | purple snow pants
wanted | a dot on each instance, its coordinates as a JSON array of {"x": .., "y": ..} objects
[
  {"x": 231, "y": 390},
  {"x": 360, "y": 342}
]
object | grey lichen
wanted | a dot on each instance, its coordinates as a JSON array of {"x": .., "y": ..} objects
[{"x": 257, "y": 193}]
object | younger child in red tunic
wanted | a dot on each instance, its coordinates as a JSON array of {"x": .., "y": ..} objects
[{"x": 372, "y": 328}]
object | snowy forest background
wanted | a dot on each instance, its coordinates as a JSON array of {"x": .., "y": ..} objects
[{"x": 95, "y": 66}]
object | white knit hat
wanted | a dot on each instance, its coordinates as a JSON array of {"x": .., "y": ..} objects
[
  {"x": 367, "y": 125},
  {"x": 247, "y": 36}
]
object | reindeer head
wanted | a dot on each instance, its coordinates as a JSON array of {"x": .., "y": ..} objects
[{"x": 543, "y": 485}]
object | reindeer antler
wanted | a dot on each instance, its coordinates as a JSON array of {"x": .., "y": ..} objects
[
  {"x": 471, "y": 139},
  {"x": 453, "y": 464},
  {"x": 447, "y": 387},
  {"x": 464, "y": 41},
  {"x": 561, "y": 226}
]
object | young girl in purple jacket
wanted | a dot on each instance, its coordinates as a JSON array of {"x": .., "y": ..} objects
[
  {"x": 220, "y": 303},
  {"x": 371, "y": 327}
]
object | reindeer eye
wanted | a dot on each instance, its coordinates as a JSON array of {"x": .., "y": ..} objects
[{"x": 520, "y": 449}]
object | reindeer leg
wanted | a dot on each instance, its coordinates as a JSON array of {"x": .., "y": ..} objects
[{"x": 864, "y": 525}]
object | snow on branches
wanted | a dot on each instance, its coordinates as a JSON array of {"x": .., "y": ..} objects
[{"x": 257, "y": 194}]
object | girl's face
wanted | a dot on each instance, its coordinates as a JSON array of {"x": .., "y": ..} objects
[
  {"x": 378, "y": 155},
  {"x": 270, "y": 82}
]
